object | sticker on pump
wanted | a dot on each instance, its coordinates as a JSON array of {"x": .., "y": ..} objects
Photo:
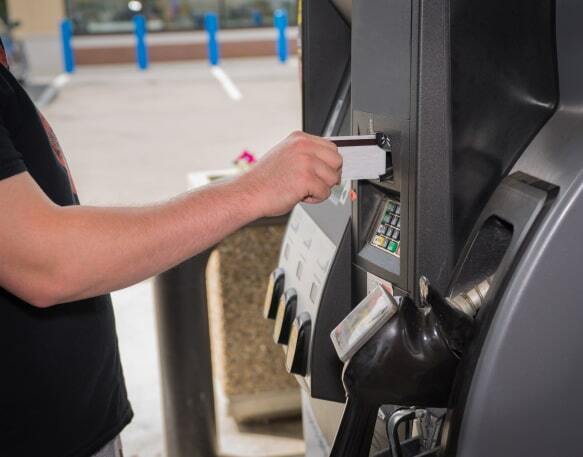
[{"x": 363, "y": 322}]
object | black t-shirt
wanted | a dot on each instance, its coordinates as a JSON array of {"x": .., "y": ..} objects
[{"x": 62, "y": 391}]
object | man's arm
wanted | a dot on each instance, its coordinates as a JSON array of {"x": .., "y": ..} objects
[{"x": 51, "y": 254}]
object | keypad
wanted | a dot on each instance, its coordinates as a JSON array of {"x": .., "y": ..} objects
[{"x": 387, "y": 235}]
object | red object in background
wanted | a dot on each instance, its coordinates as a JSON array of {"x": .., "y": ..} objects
[
  {"x": 3, "y": 58},
  {"x": 245, "y": 159}
]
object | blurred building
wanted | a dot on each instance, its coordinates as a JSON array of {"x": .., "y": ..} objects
[
  {"x": 39, "y": 29},
  {"x": 103, "y": 28},
  {"x": 114, "y": 16}
]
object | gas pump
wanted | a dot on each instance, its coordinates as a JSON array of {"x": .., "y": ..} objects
[{"x": 472, "y": 228}]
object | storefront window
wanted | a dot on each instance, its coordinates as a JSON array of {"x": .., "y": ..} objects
[{"x": 115, "y": 16}]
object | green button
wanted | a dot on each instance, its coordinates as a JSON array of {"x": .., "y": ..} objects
[
  {"x": 391, "y": 207},
  {"x": 393, "y": 245}
]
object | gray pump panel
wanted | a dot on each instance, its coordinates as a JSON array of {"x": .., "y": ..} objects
[
  {"x": 482, "y": 102},
  {"x": 528, "y": 377}
]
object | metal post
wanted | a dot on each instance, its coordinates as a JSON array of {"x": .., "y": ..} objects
[
  {"x": 66, "y": 41},
  {"x": 257, "y": 18},
  {"x": 280, "y": 22},
  {"x": 211, "y": 24},
  {"x": 142, "y": 58},
  {"x": 185, "y": 360}
]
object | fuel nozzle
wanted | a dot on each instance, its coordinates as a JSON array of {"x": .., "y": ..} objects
[
  {"x": 411, "y": 360},
  {"x": 456, "y": 325},
  {"x": 471, "y": 300}
]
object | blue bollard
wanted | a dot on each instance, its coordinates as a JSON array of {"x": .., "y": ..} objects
[
  {"x": 211, "y": 24},
  {"x": 66, "y": 40},
  {"x": 280, "y": 22},
  {"x": 142, "y": 58},
  {"x": 257, "y": 18}
]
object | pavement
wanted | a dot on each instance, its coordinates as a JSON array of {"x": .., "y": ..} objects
[
  {"x": 131, "y": 138},
  {"x": 36, "y": 90}
]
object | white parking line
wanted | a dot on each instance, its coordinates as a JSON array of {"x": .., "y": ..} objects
[
  {"x": 53, "y": 88},
  {"x": 229, "y": 86}
]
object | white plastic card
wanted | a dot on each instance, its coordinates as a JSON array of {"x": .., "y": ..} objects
[{"x": 362, "y": 162}]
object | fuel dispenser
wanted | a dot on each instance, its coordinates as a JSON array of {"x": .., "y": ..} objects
[{"x": 473, "y": 229}]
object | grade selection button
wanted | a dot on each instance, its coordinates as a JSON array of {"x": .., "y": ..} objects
[
  {"x": 286, "y": 310},
  {"x": 314, "y": 291},
  {"x": 296, "y": 360},
  {"x": 274, "y": 291}
]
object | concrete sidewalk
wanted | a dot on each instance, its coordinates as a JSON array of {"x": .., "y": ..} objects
[{"x": 131, "y": 138}]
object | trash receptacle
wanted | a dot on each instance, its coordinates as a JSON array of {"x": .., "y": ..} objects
[{"x": 249, "y": 367}]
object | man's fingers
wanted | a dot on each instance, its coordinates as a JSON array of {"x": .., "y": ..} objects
[
  {"x": 319, "y": 140},
  {"x": 329, "y": 154},
  {"x": 322, "y": 148},
  {"x": 318, "y": 191},
  {"x": 333, "y": 159},
  {"x": 313, "y": 143},
  {"x": 331, "y": 176}
]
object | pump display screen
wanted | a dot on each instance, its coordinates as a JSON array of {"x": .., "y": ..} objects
[{"x": 387, "y": 235}]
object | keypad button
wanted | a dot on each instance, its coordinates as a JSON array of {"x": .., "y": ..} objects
[
  {"x": 314, "y": 292},
  {"x": 387, "y": 235},
  {"x": 323, "y": 265},
  {"x": 299, "y": 270},
  {"x": 379, "y": 240}
]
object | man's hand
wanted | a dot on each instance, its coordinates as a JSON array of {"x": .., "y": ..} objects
[{"x": 300, "y": 168}]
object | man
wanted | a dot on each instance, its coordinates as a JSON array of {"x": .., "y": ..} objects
[{"x": 62, "y": 391}]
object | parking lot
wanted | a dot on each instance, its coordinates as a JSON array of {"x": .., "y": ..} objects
[{"x": 131, "y": 138}]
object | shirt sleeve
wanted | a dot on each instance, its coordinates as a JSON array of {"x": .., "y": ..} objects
[{"x": 11, "y": 161}]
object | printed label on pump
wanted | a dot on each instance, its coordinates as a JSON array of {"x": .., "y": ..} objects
[{"x": 363, "y": 322}]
